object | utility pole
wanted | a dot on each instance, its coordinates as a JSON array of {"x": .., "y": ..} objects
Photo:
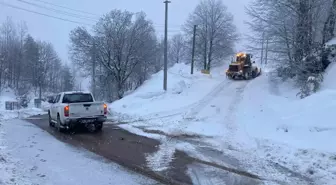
[
  {"x": 262, "y": 48},
  {"x": 193, "y": 51},
  {"x": 266, "y": 51},
  {"x": 94, "y": 69},
  {"x": 165, "y": 67}
]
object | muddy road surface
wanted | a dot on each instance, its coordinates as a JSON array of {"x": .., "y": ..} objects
[{"x": 130, "y": 151}]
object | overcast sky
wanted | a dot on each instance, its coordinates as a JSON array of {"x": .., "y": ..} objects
[{"x": 57, "y": 31}]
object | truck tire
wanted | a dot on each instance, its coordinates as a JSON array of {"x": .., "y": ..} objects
[
  {"x": 91, "y": 127},
  {"x": 59, "y": 129},
  {"x": 51, "y": 124},
  {"x": 99, "y": 127}
]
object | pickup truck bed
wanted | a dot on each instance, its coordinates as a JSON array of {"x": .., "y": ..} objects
[{"x": 86, "y": 109}]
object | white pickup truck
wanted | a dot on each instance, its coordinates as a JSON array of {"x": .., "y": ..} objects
[{"x": 71, "y": 109}]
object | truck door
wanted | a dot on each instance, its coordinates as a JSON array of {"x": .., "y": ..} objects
[{"x": 53, "y": 110}]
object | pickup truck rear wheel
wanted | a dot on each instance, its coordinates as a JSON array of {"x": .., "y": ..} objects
[
  {"x": 59, "y": 129},
  {"x": 51, "y": 124},
  {"x": 99, "y": 127},
  {"x": 91, "y": 127}
]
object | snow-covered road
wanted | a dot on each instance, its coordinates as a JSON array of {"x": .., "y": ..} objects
[{"x": 29, "y": 155}]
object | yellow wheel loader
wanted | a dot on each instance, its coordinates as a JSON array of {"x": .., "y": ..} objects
[{"x": 242, "y": 68}]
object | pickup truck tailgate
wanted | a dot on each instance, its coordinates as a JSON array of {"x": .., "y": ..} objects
[{"x": 86, "y": 109}]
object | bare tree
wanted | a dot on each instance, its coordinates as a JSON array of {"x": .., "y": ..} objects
[
  {"x": 46, "y": 56},
  {"x": 177, "y": 48},
  {"x": 216, "y": 32},
  {"x": 121, "y": 43},
  {"x": 81, "y": 50},
  {"x": 31, "y": 55},
  {"x": 329, "y": 24},
  {"x": 293, "y": 30},
  {"x": 26, "y": 64}
]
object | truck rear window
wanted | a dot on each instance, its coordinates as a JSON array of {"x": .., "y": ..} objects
[{"x": 77, "y": 98}]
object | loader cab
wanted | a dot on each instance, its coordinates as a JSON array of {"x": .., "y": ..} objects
[{"x": 244, "y": 59}]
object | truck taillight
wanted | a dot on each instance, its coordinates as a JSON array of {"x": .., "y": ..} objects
[
  {"x": 66, "y": 111},
  {"x": 105, "y": 109}
]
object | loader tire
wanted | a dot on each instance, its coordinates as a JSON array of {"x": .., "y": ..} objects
[
  {"x": 246, "y": 76},
  {"x": 254, "y": 74}
]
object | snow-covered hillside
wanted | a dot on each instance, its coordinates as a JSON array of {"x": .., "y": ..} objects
[
  {"x": 184, "y": 90},
  {"x": 262, "y": 118}
]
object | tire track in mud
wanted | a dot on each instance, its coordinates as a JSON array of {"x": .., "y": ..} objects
[
  {"x": 161, "y": 159},
  {"x": 204, "y": 175},
  {"x": 227, "y": 163}
]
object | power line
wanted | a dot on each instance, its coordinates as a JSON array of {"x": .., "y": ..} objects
[
  {"x": 45, "y": 2},
  {"x": 158, "y": 29},
  {"x": 85, "y": 12},
  {"x": 46, "y": 15},
  {"x": 59, "y": 11}
]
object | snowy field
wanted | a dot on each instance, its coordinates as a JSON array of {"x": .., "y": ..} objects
[{"x": 259, "y": 122}]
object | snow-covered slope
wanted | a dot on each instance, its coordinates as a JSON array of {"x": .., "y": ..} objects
[
  {"x": 294, "y": 132},
  {"x": 301, "y": 123},
  {"x": 329, "y": 78},
  {"x": 184, "y": 90},
  {"x": 261, "y": 118}
]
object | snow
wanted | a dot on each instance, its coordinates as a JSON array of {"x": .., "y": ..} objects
[
  {"x": 262, "y": 120},
  {"x": 33, "y": 156},
  {"x": 329, "y": 78},
  {"x": 331, "y": 42},
  {"x": 8, "y": 95},
  {"x": 183, "y": 90},
  {"x": 7, "y": 163}
]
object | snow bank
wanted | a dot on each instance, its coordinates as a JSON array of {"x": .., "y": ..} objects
[
  {"x": 295, "y": 133},
  {"x": 304, "y": 124},
  {"x": 183, "y": 90},
  {"x": 329, "y": 77},
  {"x": 9, "y": 95},
  {"x": 331, "y": 42},
  {"x": 6, "y": 95}
]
